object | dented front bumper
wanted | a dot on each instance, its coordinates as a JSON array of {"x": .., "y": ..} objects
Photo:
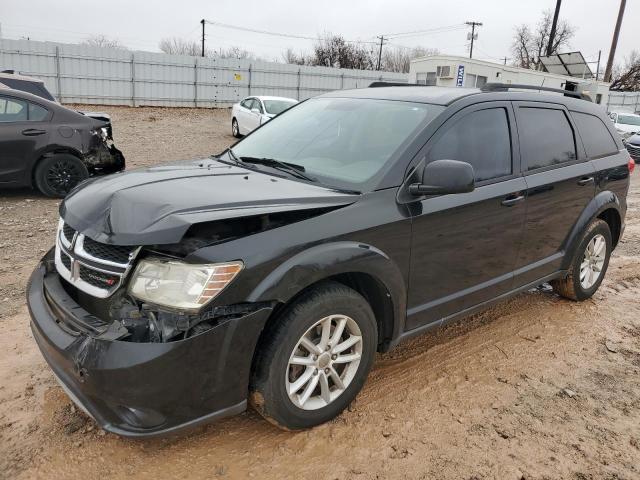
[{"x": 142, "y": 389}]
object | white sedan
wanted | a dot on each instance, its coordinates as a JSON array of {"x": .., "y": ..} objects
[{"x": 252, "y": 112}]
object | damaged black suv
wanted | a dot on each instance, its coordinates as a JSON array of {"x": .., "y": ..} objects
[{"x": 273, "y": 272}]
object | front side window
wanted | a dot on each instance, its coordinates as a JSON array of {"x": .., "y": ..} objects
[
  {"x": 13, "y": 110},
  {"x": 343, "y": 142},
  {"x": 546, "y": 137},
  {"x": 482, "y": 139},
  {"x": 595, "y": 136},
  {"x": 276, "y": 107}
]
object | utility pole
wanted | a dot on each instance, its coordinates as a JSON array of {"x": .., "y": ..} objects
[
  {"x": 382, "y": 41},
  {"x": 202, "y": 22},
  {"x": 554, "y": 24},
  {"x": 598, "y": 67},
  {"x": 614, "y": 42},
  {"x": 473, "y": 35}
]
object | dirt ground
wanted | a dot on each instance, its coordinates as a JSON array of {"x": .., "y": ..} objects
[{"x": 538, "y": 387}]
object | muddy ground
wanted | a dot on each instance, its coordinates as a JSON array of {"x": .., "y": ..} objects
[{"x": 538, "y": 387}]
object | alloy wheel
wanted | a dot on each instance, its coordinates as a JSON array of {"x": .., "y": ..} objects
[
  {"x": 63, "y": 175},
  {"x": 324, "y": 362},
  {"x": 593, "y": 261}
]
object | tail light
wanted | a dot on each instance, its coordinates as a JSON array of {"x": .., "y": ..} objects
[{"x": 632, "y": 165}]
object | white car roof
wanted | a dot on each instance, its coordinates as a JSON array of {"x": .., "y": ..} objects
[{"x": 631, "y": 114}]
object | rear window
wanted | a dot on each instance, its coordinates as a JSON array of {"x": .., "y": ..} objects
[
  {"x": 546, "y": 137},
  {"x": 35, "y": 88},
  {"x": 595, "y": 136}
]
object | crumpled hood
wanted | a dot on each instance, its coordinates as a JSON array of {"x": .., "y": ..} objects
[{"x": 157, "y": 205}]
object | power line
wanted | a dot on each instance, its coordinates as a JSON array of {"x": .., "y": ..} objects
[{"x": 416, "y": 33}]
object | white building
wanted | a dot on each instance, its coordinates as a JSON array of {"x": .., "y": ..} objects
[{"x": 451, "y": 71}]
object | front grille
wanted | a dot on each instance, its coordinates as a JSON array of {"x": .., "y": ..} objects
[
  {"x": 634, "y": 151},
  {"x": 66, "y": 260},
  {"x": 97, "y": 278},
  {"x": 113, "y": 253},
  {"x": 92, "y": 267},
  {"x": 68, "y": 232}
]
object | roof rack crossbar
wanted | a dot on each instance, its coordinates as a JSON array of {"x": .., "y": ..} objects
[
  {"x": 380, "y": 83},
  {"x": 504, "y": 87}
]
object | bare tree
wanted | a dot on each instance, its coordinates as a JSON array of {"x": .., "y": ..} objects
[
  {"x": 398, "y": 59},
  {"x": 333, "y": 51},
  {"x": 104, "y": 42},
  {"x": 627, "y": 77},
  {"x": 530, "y": 43},
  {"x": 289, "y": 56},
  {"x": 233, "y": 52},
  {"x": 180, "y": 46}
]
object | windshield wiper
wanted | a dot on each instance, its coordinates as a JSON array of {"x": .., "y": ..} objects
[{"x": 290, "y": 168}]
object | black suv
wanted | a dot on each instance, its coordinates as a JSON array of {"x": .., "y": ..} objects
[{"x": 273, "y": 272}]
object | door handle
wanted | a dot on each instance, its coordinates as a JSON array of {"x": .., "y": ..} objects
[
  {"x": 585, "y": 181},
  {"x": 32, "y": 132},
  {"x": 511, "y": 200}
]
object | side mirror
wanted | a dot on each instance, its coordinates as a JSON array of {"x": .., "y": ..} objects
[
  {"x": 256, "y": 111},
  {"x": 445, "y": 176}
]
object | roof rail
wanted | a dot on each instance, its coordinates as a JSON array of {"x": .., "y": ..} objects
[
  {"x": 504, "y": 87},
  {"x": 394, "y": 84}
]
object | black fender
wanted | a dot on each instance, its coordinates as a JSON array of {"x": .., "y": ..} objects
[
  {"x": 328, "y": 260},
  {"x": 602, "y": 201}
]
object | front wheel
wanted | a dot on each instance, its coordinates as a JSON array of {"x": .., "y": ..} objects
[
  {"x": 317, "y": 358},
  {"x": 589, "y": 263},
  {"x": 235, "y": 130},
  {"x": 55, "y": 176}
]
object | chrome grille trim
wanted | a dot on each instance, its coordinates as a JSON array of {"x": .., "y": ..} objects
[{"x": 79, "y": 256}]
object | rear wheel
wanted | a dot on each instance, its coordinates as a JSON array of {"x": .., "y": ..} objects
[
  {"x": 589, "y": 263},
  {"x": 55, "y": 176},
  {"x": 316, "y": 360},
  {"x": 235, "y": 130}
]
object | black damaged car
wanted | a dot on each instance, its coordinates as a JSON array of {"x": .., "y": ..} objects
[
  {"x": 51, "y": 147},
  {"x": 273, "y": 272}
]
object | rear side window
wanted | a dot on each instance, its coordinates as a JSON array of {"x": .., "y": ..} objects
[
  {"x": 595, "y": 136},
  {"x": 12, "y": 110},
  {"x": 482, "y": 139},
  {"x": 546, "y": 137}
]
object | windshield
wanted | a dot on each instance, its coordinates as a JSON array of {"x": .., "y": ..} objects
[
  {"x": 629, "y": 119},
  {"x": 343, "y": 142},
  {"x": 276, "y": 107}
]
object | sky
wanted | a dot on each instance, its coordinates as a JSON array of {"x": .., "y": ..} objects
[{"x": 140, "y": 25}]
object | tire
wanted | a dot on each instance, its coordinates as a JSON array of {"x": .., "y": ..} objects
[
  {"x": 235, "y": 129},
  {"x": 55, "y": 176},
  {"x": 273, "y": 374},
  {"x": 583, "y": 280}
]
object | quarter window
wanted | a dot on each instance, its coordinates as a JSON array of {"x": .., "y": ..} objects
[
  {"x": 546, "y": 137},
  {"x": 482, "y": 139},
  {"x": 595, "y": 136}
]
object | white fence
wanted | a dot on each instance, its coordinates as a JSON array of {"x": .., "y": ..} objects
[
  {"x": 624, "y": 102},
  {"x": 84, "y": 74}
]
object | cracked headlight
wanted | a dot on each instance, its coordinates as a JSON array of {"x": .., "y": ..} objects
[{"x": 180, "y": 285}]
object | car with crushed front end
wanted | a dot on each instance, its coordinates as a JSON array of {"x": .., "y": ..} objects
[
  {"x": 272, "y": 273},
  {"x": 48, "y": 146}
]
